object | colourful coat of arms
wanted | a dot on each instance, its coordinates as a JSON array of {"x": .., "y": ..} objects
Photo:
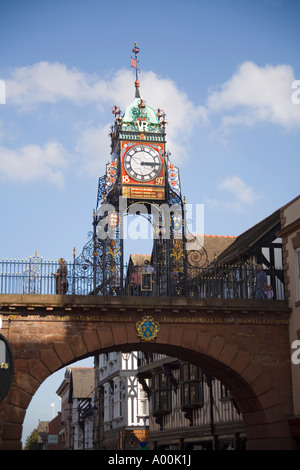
[{"x": 147, "y": 328}]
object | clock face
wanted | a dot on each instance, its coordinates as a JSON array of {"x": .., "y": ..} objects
[{"x": 142, "y": 163}]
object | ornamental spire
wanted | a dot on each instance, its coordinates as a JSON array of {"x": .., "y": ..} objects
[{"x": 134, "y": 63}]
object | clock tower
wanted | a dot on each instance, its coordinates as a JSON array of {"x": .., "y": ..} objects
[
  {"x": 139, "y": 179},
  {"x": 138, "y": 147}
]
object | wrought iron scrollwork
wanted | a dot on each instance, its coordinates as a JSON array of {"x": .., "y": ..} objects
[
  {"x": 198, "y": 258},
  {"x": 87, "y": 272}
]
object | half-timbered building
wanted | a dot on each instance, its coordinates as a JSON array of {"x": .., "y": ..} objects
[
  {"x": 122, "y": 421},
  {"x": 189, "y": 409}
]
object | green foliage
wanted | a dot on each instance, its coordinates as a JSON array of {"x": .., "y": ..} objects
[{"x": 32, "y": 441}]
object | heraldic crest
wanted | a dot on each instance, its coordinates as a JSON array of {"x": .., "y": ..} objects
[{"x": 147, "y": 328}]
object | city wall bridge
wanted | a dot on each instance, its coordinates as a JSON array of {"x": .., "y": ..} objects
[{"x": 243, "y": 342}]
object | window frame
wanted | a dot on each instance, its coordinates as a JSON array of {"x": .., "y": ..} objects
[
  {"x": 161, "y": 394},
  {"x": 191, "y": 386}
]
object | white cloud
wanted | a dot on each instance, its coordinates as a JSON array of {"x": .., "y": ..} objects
[
  {"x": 183, "y": 116},
  {"x": 256, "y": 94},
  {"x": 221, "y": 204},
  {"x": 49, "y": 82},
  {"x": 253, "y": 94},
  {"x": 33, "y": 162},
  {"x": 242, "y": 194},
  {"x": 1, "y": 130},
  {"x": 239, "y": 189},
  {"x": 46, "y": 82},
  {"x": 93, "y": 147}
]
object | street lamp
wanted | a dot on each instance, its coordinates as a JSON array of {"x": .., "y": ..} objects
[{"x": 125, "y": 356}]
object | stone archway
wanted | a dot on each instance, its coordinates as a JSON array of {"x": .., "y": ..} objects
[{"x": 245, "y": 347}]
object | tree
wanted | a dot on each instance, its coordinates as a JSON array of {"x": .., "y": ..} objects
[{"x": 32, "y": 441}]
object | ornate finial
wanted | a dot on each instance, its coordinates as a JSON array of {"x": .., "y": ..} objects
[
  {"x": 135, "y": 49},
  {"x": 115, "y": 110},
  {"x": 134, "y": 63},
  {"x": 142, "y": 103}
]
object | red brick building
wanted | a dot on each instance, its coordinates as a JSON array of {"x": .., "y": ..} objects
[{"x": 52, "y": 439}]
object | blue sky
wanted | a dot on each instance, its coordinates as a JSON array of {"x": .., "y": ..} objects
[{"x": 222, "y": 70}]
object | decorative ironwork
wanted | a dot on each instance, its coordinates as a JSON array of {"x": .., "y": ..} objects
[
  {"x": 87, "y": 275},
  {"x": 110, "y": 179},
  {"x": 32, "y": 283},
  {"x": 173, "y": 175},
  {"x": 87, "y": 270},
  {"x": 198, "y": 258}
]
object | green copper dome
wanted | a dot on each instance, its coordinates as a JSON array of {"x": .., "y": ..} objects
[
  {"x": 139, "y": 109},
  {"x": 139, "y": 117}
]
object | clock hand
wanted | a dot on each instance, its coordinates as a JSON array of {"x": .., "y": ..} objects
[{"x": 149, "y": 163}]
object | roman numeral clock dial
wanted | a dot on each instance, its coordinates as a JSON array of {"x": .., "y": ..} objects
[{"x": 142, "y": 163}]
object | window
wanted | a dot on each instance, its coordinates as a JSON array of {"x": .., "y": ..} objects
[
  {"x": 191, "y": 386},
  {"x": 107, "y": 403},
  {"x": 102, "y": 361},
  {"x": 225, "y": 393},
  {"x": 143, "y": 402},
  {"x": 161, "y": 394},
  {"x": 118, "y": 399}
]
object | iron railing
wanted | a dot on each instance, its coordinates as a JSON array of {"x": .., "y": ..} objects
[
  {"x": 39, "y": 276},
  {"x": 33, "y": 276}
]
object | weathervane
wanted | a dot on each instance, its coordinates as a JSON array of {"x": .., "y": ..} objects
[{"x": 134, "y": 63}]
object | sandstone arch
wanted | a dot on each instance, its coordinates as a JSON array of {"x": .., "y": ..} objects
[{"x": 247, "y": 349}]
